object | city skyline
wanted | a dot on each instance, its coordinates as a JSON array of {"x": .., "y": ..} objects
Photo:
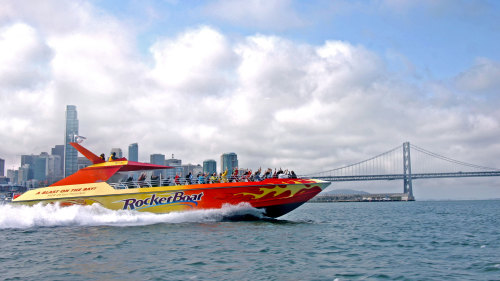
[
  {"x": 38, "y": 170},
  {"x": 309, "y": 86}
]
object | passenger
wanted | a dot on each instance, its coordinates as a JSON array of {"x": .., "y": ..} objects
[
  {"x": 282, "y": 176},
  {"x": 176, "y": 179},
  {"x": 141, "y": 179},
  {"x": 213, "y": 178},
  {"x": 234, "y": 176},
  {"x": 279, "y": 173},
  {"x": 223, "y": 176},
  {"x": 267, "y": 174},
  {"x": 247, "y": 175},
  {"x": 112, "y": 157},
  {"x": 155, "y": 181},
  {"x": 129, "y": 181},
  {"x": 102, "y": 157},
  {"x": 293, "y": 175},
  {"x": 201, "y": 178},
  {"x": 256, "y": 176}
]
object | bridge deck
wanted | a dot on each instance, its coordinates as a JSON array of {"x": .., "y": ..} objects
[{"x": 413, "y": 176}]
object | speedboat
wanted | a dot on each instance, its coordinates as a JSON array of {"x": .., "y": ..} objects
[{"x": 111, "y": 184}]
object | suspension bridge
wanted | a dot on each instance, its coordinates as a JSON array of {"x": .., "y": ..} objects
[{"x": 396, "y": 164}]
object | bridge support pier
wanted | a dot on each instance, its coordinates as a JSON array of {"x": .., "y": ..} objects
[{"x": 407, "y": 184}]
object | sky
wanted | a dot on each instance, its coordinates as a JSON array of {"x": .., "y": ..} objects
[{"x": 304, "y": 85}]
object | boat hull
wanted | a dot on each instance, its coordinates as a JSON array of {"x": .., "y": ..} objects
[{"x": 275, "y": 196}]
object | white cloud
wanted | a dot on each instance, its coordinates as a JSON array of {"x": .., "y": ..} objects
[
  {"x": 270, "y": 14},
  {"x": 23, "y": 57},
  {"x": 482, "y": 78},
  {"x": 198, "y": 61}
]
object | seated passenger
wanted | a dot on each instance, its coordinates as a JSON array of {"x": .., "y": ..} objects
[
  {"x": 129, "y": 182},
  {"x": 102, "y": 157},
  {"x": 201, "y": 178},
  {"x": 170, "y": 181},
  {"x": 112, "y": 157},
  {"x": 234, "y": 176},
  {"x": 256, "y": 176},
  {"x": 142, "y": 178},
  {"x": 154, "y": 181},
  {"x": 213, "y": 178}
]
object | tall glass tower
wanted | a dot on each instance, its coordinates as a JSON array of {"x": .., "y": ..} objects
[
  {"x": 229, "y": 161},
  {"x": 133, "y": 152},
  {"x": 2, "y": 167},
  {"x": 70, "y": 153},
  {"x": 209, "y": 166}
]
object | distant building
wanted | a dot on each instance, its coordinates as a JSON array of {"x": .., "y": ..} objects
[
  {"x": 209, "y": 166},
  {"x": 40, "y": 167},
  {"x": 28, "y": 161},
  {"x": 118, "y": 152},
  {"x": 46, "y": 169},
  {"x": 59, "y": 151},
  {"x": 158, "y": 159},
  {"x": 22, "y": 175},
  {"x": 70, "y": 153},
  {"x": 12, "y": 175},
  {"x": 192, "y": 168},
  {"x": 83, "y": 162},
  {"x": 177, "y": 164},
  {"x": 2, "y": 167},
  {"x": 229, "y": 161},
  {"x": 54, "y": 171},
  {"x": 173, "y": 162},
  {"x": 133, "y": 152}
]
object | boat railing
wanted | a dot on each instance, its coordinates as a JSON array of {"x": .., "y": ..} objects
[{"x": 170, "y": 181}]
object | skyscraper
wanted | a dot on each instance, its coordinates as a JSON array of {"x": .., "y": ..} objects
[
  {"x": 158, "y": 159},
  {"x": 133, "y": 152},
  {"x": 58, "y": 150},
  {"x": 12, "y": 175},
  {"x": 209, "y": 166},
  {"x": 177, "y": 164},
  {"x": 70, "y": 153},
  {"x": 28, "y": 162},
  {"x": 229, "y": 161},
  {"x": 2, "y": 167},
  {"x": 40, "y": 167},
  {"x": 54, "y": 171}
]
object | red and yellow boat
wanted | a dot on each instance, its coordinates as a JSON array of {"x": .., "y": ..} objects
[{"x": 105, "y": 183}]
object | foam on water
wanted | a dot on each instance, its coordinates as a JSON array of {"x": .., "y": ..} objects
[{"x": 19, "y": 216}]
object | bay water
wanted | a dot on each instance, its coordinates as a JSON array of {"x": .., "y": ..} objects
[{"x": 422, "y": 240}]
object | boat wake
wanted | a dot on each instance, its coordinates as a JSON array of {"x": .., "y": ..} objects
[{"x": 19, "y": 216}]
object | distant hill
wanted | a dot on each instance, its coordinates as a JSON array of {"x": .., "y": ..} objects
[{"x": 343, "y": 191}]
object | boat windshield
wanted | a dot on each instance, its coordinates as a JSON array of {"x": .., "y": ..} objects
[{"x": 136, "y": 179}]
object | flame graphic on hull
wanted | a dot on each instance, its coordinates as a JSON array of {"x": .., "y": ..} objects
[{"x": 278, "y": 190}]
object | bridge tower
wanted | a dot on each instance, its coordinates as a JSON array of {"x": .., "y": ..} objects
[{"x": 407, "y": 188}]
